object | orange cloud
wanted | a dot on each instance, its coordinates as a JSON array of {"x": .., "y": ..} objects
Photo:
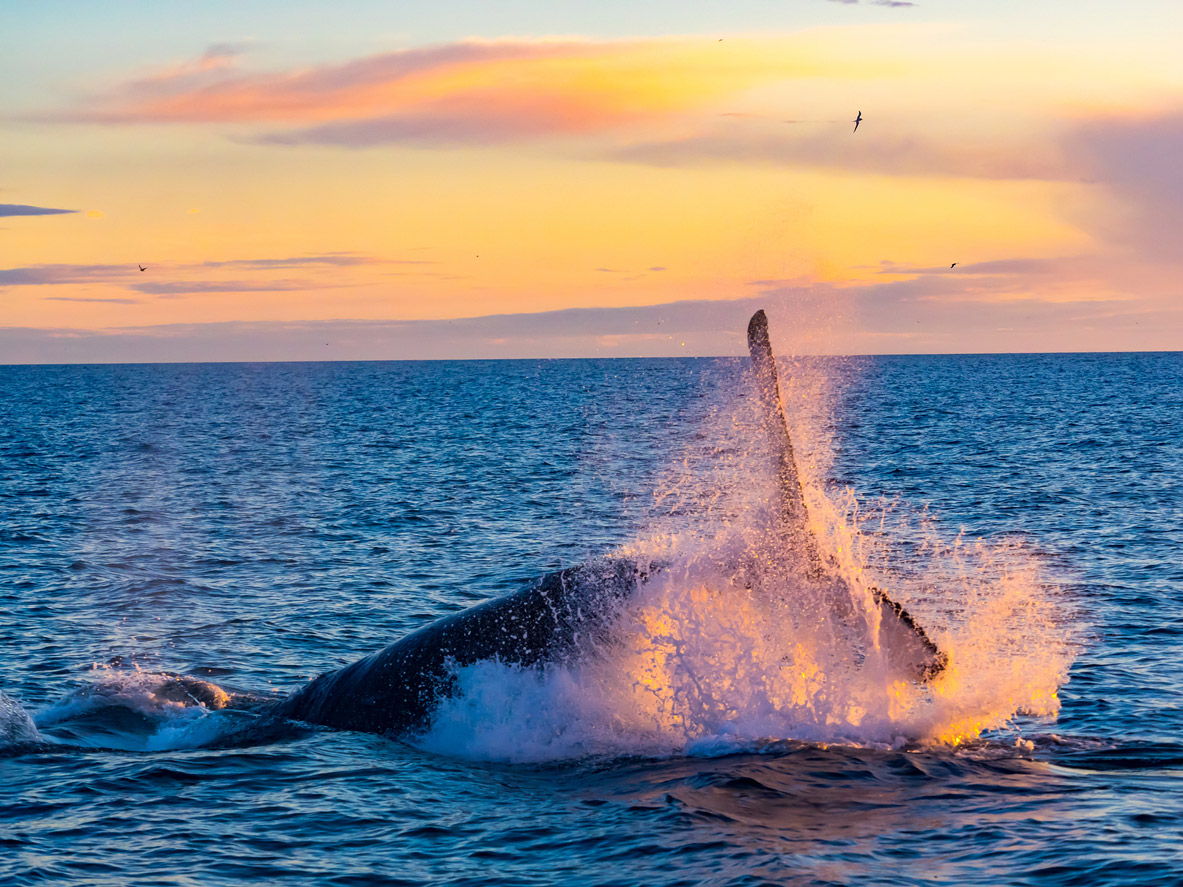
[
  {"x": 556, "y": 82},
  {"x": 468, "y": 91}
]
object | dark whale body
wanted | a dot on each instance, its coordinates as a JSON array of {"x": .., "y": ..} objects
[
  {"x": 554, "y": 619},
  {"x": 564, "y": 615}
]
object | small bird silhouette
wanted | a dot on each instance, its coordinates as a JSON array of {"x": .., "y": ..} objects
[
  {"x": 142, "y": 268},
  {"x": 858, "y": 120},
  {"x": 954, "y": 265}
]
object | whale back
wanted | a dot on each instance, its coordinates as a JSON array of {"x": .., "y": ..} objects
[{"x": 556, "y": 618}]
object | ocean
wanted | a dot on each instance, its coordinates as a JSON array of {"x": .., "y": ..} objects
[{"x": 254, "y": 525}]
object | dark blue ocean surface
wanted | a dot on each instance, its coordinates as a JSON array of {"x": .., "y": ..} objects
[{"x": 256, "y": 524}]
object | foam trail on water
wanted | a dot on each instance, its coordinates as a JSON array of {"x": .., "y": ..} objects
[{"x": 734, "y": 644}]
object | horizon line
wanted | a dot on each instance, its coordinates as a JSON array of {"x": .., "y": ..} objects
[{"x": 114, "y": 363}]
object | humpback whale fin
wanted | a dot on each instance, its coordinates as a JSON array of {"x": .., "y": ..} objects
[
  {"x": 791, "y": 508},
  {"x": 907, "y": 648}
]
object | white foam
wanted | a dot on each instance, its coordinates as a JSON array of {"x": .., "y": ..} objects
[
  {"x": 193, "y": 727},
  {"x": 16, "y": 725},
  {"x": 136, "y": 710}
]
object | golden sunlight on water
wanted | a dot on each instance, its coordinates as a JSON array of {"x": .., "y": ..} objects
[{"x": 734, "y": 637}]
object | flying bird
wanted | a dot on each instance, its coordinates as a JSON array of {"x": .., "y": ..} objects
[
  {"x": 142, "y": 268},
  {"x": 954, "y": 265},
  {"x": 858, "y": 120}
]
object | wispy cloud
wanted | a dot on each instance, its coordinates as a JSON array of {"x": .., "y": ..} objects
[
  {"x": 88, "y": 299},
  {"x": 914, "y": 155},
  {"x": 470, "y": 92},
  {"x": 132, "y": 278},
  {"x": 628, "y": 275},
  {"x": 334, "y": 259},
  {"x": 216, "y": 89},
  {"x": 993, "y": 267},
  {"x": 894, "y": 4},
  {"x": 172, "y": 290},
  {"x": 1136, "y": 162},
  {"x": 889, "y": 318},
  {"x": 450, "y": 93},
  {"x": 570, "y": 332},
  {"x": 54, "y": 275},
  {"x": 20, "y": 209},
  {"x": 481, "y": 123}
]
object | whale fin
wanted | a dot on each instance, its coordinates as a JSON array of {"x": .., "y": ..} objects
[
  {"x": 794, "y": 516},
  {"x": 907, "y": 647}
]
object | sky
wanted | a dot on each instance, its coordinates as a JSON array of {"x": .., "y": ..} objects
[{"x": 388, "y": 180}]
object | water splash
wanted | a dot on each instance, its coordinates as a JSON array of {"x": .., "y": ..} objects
[
  {"x": 734, "y": 645},
  {"x": 16, "y": 725},
  {"x": 144, "y": 711}
]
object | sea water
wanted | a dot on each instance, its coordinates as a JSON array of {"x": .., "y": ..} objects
[{"x": 252, "y": 525}]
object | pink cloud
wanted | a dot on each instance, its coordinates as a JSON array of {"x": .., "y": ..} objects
[
  {"x": 449, "y": 93},
  {"x": 1136, "y": 162},
  {"x": 468, "y": 92},
  {"x": 215, "y": 89}
]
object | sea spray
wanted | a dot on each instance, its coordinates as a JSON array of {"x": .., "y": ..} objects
[
  {"x": 16, "y": 725},
  {"x": 733, "y": 644},
  {"x": 139, "y": 710}
]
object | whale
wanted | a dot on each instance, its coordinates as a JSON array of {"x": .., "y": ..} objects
[{"x": 568, "y": 614}]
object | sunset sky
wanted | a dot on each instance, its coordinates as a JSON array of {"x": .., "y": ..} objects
[{"x": 524, "y": 179}]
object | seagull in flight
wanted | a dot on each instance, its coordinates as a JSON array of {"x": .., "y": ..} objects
[
  {"x": 858, "y": 120},
  {"x": 142, "y": 268},
  {"x": 954, "y": 265}
]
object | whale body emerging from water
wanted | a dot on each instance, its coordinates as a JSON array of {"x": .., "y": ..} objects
[{"x": 566, "y": 614}]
